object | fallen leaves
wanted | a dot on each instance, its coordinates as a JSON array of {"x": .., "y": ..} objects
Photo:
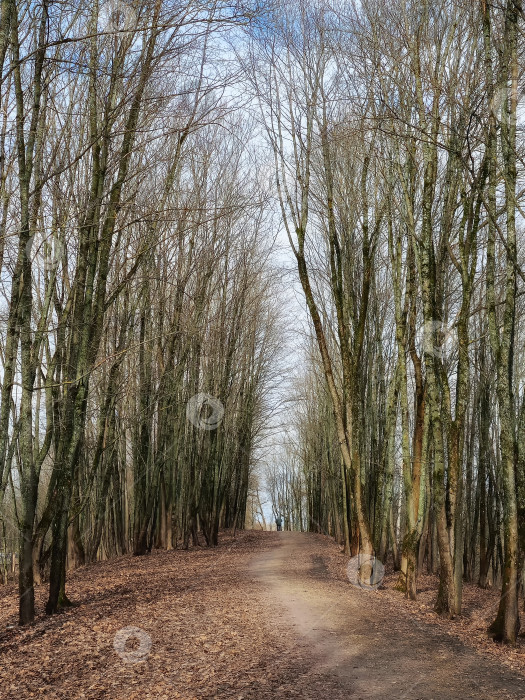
[{"x": 206, "y": 619}]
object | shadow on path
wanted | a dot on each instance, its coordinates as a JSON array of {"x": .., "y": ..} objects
[{"x": 355, "y": 636}]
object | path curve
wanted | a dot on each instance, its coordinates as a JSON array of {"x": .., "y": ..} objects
[{"x": 354, "y": 636}]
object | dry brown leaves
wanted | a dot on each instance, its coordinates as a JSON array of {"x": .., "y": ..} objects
[
  {"x": 202, "y": 614},
  {"x": 207, "y": 628},
  {"x": 479, "y": 609}
]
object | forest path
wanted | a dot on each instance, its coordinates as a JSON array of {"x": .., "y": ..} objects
[
  {"x": 367, "y": 649},
  {"x": 264, "y": 616}
]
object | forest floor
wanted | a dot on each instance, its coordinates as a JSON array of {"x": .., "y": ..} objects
[{"x": 265, "y": 615}]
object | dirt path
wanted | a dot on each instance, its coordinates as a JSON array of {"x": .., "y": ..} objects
[
  {"x": 264, "y": 616},
  {"x": 356, "y": 637}
]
